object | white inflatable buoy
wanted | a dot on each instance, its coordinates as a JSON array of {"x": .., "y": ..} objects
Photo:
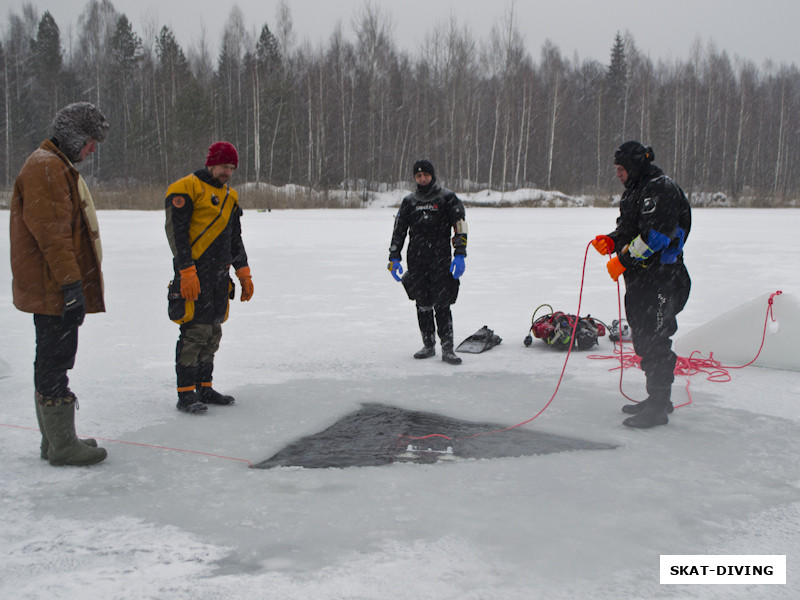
[{"x": 734, "y": 338}]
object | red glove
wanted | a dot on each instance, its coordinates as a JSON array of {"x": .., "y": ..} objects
[
  {"x": 615, "y": 268},
  {"x": 603, "y": 244},
  {"x": 247, "y": 283},
  {"x": 190, "y": 284}
]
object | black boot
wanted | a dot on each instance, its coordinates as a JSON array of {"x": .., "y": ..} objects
[
  {"x": 205, "y": 393},
  {"x": 426, "y": 351},
  {"x": 444, "y": 323},
  {"x": 635, "y": 409},
  {"x": 188, "y": 402},
  {"x": 428, "y": 330},
  {"x": 650, "y": 416},
  {"x": 653, "y": 413},
  {"x": 449, "y": 356},
  {"x": 209, "y": 395}
]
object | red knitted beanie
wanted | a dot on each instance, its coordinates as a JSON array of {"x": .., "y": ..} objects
[{"x": 222, "y": 153}]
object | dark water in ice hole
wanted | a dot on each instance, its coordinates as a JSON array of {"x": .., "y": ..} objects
[{"x": 374, "y": 436}]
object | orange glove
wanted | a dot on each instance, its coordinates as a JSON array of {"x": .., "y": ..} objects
[
  {"x": 603, "y": 244},
  {"x": 615, "y": 268},
  {"x": 247, "y": 283},
  {"x": 190, "y": 284}
]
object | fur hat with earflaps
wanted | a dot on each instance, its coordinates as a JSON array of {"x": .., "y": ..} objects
[{"x": 75, "y": 125}]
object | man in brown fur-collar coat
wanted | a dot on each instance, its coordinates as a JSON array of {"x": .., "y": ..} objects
[{"x": 55, "y": 264}]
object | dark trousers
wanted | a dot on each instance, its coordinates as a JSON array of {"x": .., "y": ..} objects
[
  {"x": 652, "y": 307},
  {"x": 56, "y": 348},
  {"x": 443, "y": 322}
]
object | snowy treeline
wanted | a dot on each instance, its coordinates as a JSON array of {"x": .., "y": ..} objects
[{"x": 354, "y": 111}]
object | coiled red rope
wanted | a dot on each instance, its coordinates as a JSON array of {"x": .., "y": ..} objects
[{"x": 689, "y": 366}]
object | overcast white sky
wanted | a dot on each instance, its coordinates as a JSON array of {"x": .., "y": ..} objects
[{"x": 755, "y": 30}]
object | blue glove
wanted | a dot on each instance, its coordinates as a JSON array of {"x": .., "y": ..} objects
[
  {"x": 395, "y": 267},
  {"x": 670, "y": 254},
  {"x": 457, "y": 267}
]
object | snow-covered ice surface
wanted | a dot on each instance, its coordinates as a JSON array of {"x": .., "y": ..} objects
[{"x": 329, "y": 329}]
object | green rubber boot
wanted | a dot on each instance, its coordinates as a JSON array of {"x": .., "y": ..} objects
[
  {"x": 58, "y": 417},
  {"x": 45, "y": 444}
]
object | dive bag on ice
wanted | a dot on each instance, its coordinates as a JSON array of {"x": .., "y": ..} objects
[{"x": 555, "y": 329}]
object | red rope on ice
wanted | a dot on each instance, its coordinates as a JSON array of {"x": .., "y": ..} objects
[
  {"x": 558, "y": 385},
  {"x": 693, "y": 364},
  {"x": 36, "y": 429}
]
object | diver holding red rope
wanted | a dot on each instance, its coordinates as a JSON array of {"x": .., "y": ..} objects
[{"x": 653, "y": 226}]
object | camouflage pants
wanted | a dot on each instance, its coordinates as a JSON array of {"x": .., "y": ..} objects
[{"x": 194, "y": 355}]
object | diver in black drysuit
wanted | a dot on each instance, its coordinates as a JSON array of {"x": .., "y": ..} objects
[
  {"x": 653, "y": 226},
  {"x": 433, "y": 217}
]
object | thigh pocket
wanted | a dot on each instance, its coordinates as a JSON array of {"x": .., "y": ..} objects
[{"x": 180, "y": 310}]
